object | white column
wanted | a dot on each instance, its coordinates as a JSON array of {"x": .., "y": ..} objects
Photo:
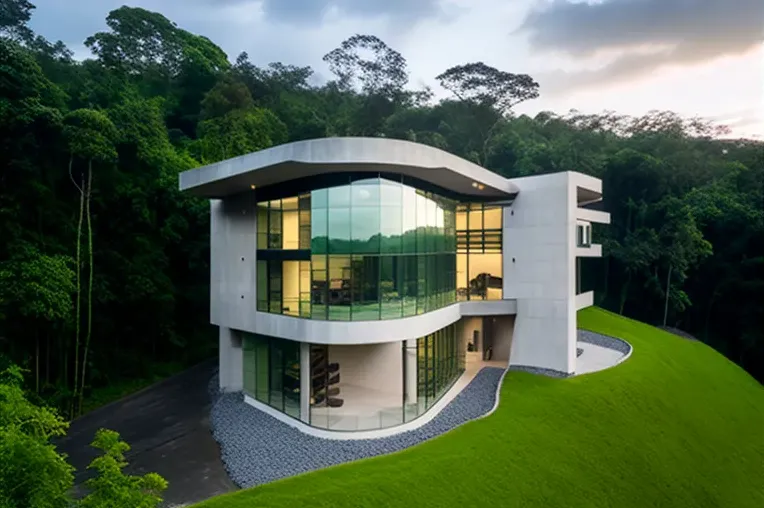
[
  {"x": 231, "y": 361},
  {"x": 410, "y": 369},
  {"x": 539, "y": 271},
  {"x": 305, "y": 382}
]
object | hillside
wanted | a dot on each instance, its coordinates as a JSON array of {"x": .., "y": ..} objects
[{"x": 675, "y": 425}]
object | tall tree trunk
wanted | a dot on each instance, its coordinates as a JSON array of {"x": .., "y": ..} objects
[
  {"x": 668, "y": 291},
  {"x": 78, "y": 310},
  {"x": 88, "y": 333},
  {"x": 36, "y": 359},
  {"x": 47, "y": 358}
]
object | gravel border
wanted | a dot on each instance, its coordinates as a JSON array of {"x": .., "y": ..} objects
[
  {"x": 257, "y": 448},
  {"x": 605, "y": 341},
  {"x": 540, "y": 371}
]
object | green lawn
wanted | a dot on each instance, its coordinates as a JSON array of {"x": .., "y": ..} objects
[{"x": 676, "y": 425}]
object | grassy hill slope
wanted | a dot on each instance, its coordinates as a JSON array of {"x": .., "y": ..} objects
[{"x": 675, "y": 425}]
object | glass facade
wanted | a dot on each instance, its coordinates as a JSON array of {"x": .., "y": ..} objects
[
  {"x": 357, "y": 387},
  {"x": 479, "y": 252},
  {"x": 374, "y": 248},
  {"x": 440, "y": 361},
  {"x": 366, "y": 387},
  {"x": 271, "y": 369}
]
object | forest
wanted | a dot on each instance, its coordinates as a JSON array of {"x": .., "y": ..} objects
[{"x": 104, "y": 264}]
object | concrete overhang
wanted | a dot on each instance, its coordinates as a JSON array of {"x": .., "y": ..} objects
[{"x": 346, "y": 155}]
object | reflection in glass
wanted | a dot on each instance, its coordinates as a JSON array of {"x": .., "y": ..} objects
[
  {"x": 391, "y": 300},
  {"x": 271, "y": 370},
  {"x": 262, "y": 285},
  {"x": 379, "y": 250},
  {"x": 365, "y": 230},
  {"x": 319, "y": 226},
  {"x": 339, "y": 230},
  {"x": 262, "y": 225},
  {"x": 365, "y": 288},
  {"x": 391, "y": 229},
  {"x": 339, "y": 288}
]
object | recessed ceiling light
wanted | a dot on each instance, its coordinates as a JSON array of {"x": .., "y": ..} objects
[
  {"x": 474, "y": 184},
  {"x": 481, "y": 187},
  {"x": 253, "y": 186}
]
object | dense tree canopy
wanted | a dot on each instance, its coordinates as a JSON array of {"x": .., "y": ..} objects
[{"x": 123, "y": 293}]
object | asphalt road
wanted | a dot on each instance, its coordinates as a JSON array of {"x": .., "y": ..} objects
[{"x": 167, "y": 427}]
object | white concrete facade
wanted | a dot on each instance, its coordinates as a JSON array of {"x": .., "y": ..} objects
[{"x": 533, "y": 325}]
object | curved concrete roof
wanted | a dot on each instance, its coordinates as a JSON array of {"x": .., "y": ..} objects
[{"x": 332, "y": 155}]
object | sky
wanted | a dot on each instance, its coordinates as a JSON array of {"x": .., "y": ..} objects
[{"x": 695, "y": 57}]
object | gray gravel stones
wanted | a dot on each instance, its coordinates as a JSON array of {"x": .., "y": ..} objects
[
  {"x": 540, "y": 371},
  {"x": 257, "y": 448},
  {"x": 603, "y": 340}
]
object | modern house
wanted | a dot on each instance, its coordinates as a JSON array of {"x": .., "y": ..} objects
[{"x": 358, "y": 283}]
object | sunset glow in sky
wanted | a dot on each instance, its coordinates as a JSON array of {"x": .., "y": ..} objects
[{"x": 695, "y": 57}]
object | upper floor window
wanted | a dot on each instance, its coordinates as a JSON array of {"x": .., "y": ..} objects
[
  {"x": 284, "y": 224},
  {"x": 479, "y": 246},
  {"x": 583, "y": 234}
]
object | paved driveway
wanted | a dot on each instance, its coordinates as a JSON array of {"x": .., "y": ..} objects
[{"x": 167, "y": 427}]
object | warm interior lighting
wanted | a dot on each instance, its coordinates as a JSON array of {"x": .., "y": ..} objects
[
  {"x": 253, "y": 186},
  {"x": 481, "y": 187},
  {"x": 474, "y": 184}
]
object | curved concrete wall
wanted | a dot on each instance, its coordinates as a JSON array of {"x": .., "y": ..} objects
[
  {"x": 370, "y": 332},
  {"x": 317, "y": 156}
]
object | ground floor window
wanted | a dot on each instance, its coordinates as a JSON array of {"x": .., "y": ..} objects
[
  {"x": 272, "y": 372},
  {"x": 353, "y": 387},
  {"x": 375, "y": 386}
]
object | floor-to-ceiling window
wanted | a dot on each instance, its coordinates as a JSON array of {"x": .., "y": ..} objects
[
  {"x": 479, "y": 257},
  {"x": 271, "y": 369},
  {"x": 372, "y": 248},
  {"x": 373, "y": 386}
]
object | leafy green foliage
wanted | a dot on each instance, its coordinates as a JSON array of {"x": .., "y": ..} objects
[
  {"x": 32, "y": 473},
  {"x": 90, "y": 135},
  {"x": 239, "y": 132},
  {"x": 14, "y": 15},
  {"x": 112, "y": 488},
  {"x": 38, "y": 287}
]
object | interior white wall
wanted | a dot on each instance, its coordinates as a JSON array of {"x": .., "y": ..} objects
[
  {"x": 377, "y": 367},
  {"x": 539, "y": 271},
  {"x": 466, "y": 329}
]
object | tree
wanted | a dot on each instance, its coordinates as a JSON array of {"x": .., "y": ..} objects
[
  {"x": 38, "y": 288},
  {"x": 682, "y": 244},
  {"x": 90, "y": 135},
  {"x": 227, "y": 95},
  {"x": 239, "y": 132},
  {"x": 488, "y": 87},
  {"x": 384, "y": 73},
  {"x": 14, "y": 16},
  {"x": 112, "y": 488},
  {"x": 32, "y": 473}
]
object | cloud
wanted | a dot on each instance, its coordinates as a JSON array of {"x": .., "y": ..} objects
[
  {"x": 674, "y": 32},
  {"x": 311, "y": 11}
]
